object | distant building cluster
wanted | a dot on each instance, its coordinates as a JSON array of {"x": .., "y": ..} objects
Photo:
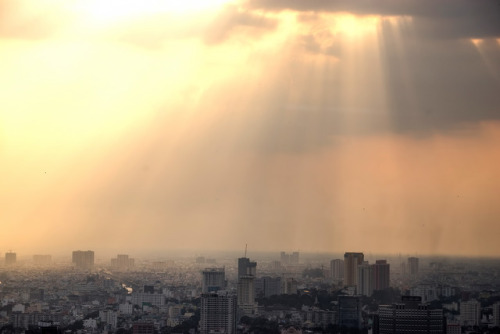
[
  {"x": 356, "y": 293},
  {"x": 292, "y": 258}
]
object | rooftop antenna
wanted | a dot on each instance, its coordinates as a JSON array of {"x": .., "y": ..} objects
[{"x": 245, "y": 250}]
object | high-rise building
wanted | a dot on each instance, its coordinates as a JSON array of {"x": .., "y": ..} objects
[
  {"x": 337, "y": 269},
  {"x": 217, "y": 313},
  {"x": 246, "y": 267},
  {"x": 413, "y": 266},
  {"x": 470, "y": 313},
  {"x": 284, "y": 258},
  {"x": 83, "y": 259},
  {"x": 349, "y": 311},
  {"x": 410, "y": 316},
  {"x": 214, "y": 279},
  {"x": 10, "y": 258},
  {"x": 289, "y": 286},
  {"x": 351, "y": 263},
  {"x": 381, "y": 275},
  {"x": 365, "y": 279},
  {"x": 496, "y": 314},
  {"x": 122, "y": 261},
  {"x": 246, "y": 295}
]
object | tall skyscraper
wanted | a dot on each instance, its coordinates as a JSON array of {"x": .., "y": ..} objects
[
  {"x": 413, "y": 266},
  {"x": 217, "y": 313},
  {"x": 410, "y": 316},
  {"x": 10, "y": 258},
  {"x": 214, "y": 279},
  {"x": 83, "y": 259},
  {"x": 365, "y": 279},
  {"x": 247, "y": 272},
  {"x": 246, "y": 295},
  {"x": 337, "y": 269},
  {"x": 246, "y": 267},
  {"x": 351, "y": 263},
  {"x": 381, "y": 275}
]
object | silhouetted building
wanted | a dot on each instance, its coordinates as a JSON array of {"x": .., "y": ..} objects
[
  {"x": 413, "y": 266},
  {"x": 470, "y": 313},
  {"x": 349, "y": 311},
  {"x": 365, "y": 279},
  {"x": 337, "y": 269},
  {"x": 289, "y": 286},
  {"x": 351, "y": 263},
  {"x": 267, "y": 286},
  {"x": 410, "y": 316},
  {"x": 246, "y": 295},
  {"x": 83, "y": 259},
  {"x": 246, "y": 267},
  {"x": 213, "y": 279},
  {"x": 217, "y": 313},
  {"x": 122, "y": 261},
  {"x": 496, "y": 314},
  {"x": 381, "y": 275},
  {"x": 10, "y": 258}
]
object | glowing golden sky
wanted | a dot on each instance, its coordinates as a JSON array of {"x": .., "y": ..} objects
[{"x": 205, "y": 125}]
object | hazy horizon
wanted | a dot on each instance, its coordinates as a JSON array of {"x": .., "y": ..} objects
[{"x": 319, "y": 126}]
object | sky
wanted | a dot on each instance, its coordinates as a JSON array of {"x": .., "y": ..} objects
[{"x": 321, "y": 126}]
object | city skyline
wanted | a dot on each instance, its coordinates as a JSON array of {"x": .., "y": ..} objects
[{"x": 147, "y": 126}]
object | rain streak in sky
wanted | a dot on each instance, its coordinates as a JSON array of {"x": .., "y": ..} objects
[{"x": 286, "y": 124}]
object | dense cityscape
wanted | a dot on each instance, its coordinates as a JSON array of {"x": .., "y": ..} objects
[{"x": 271, "y": 293}]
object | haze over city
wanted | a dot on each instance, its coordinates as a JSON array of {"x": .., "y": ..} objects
[{"x": 319, "y": 126}]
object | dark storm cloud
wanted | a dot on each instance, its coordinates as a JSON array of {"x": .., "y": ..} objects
[{"x": 446, "y": 18}]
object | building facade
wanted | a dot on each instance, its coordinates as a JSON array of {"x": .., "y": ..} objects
[
  {"x": 413, "y": 266},
  {"x": 83, "y": 259},
  {"x": 351, "y": 263},
  {"x": 410, "y": 316},
  {"x": 10, "y": 258},
  {"x": 214, "y": 279},
  {"x": 381, "y": 275},
  {"x": 365, "y": 280},
  {"x": 217, "y": 314},
  {"x": 337, "y": 269}
]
